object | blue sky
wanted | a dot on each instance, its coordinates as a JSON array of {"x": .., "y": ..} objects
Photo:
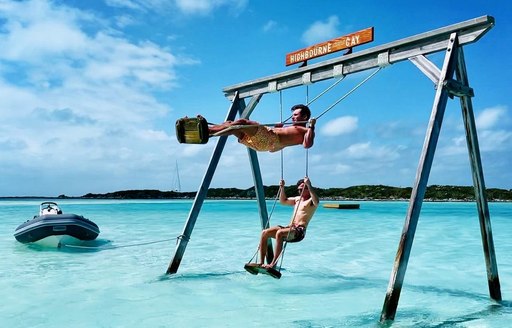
[{"x": 90, "y": 91}]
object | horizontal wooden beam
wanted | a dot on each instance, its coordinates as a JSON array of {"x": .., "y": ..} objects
[{"x": 422, "y": 44}]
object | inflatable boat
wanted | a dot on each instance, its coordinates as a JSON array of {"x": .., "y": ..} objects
[{"x": 52, "y": 222}]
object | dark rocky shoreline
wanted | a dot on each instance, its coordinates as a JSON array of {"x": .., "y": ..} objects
[{"x": 363, "y": 192}]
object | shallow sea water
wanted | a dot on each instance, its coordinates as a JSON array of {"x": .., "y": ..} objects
[{"x": 336, "y": 277}]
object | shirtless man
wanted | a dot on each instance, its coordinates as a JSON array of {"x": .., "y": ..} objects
[
  {"x": 262, "y": 138},
  {"x": 305, "y": 206}
]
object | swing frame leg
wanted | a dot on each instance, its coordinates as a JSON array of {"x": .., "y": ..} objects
[{"x": 238, "y": 105}]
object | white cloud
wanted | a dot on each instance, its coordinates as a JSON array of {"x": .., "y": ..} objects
[
  {"x": 269, "y": 26},
  {"x": 341, "y": 168},
  {"x": 340, "y": 125},
  {"x": 321, "y": 31},
  {"x": 368, "y": 152},
  {"x": 189, "y": 7},
  {"x": 489, "y": 117},
  {"x": 82, "y": 91},
  {"x": 52, "y": 35},
  {"x": 207, "y": 6},
  {"x": 42, "y": 39},
  {"x": 35, "y": 30},
  {"x": 112, "y": 58},
  {"x": 495, "y": 140},
  {"x": 490, "y": 136},
  {"x": 131, "y": 4},
  {"x": 153, "y": 135},
  {"x": 191, "y": 151},
  {"x": 457, "y": 147},
  {"x": 359, "y": 150},
  {"x": 195, "y": 6},
  {"x": 124, "y": 21}
]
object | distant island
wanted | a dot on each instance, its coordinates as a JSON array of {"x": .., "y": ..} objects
[{"x": 362, "y": 192}]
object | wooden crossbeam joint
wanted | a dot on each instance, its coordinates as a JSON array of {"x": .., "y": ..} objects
[{"x": 455, "y": 88}]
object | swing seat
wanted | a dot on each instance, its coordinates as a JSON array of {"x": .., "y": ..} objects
[
  {"x": 255, "y": 268},
  {"x": 192, "y": 130}
]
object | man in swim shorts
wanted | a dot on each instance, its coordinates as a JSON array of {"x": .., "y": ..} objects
[
  {"x": 305, "y": 206},
  {"x": 262, "y": 138}
]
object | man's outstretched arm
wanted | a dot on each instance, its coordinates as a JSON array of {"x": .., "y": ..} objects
[
  {"x": 309, "y": 136},
  {"x": 314, "y": 196}
]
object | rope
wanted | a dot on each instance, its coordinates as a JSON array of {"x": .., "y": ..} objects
[
  {"x": 120, "y": 246},
  {"x": 281, "y": 256},
  {"x": 350, "y": 92},
  {"x": 319, "y": 95},
  {"x": 310, "y": 102},
  {"x": 281, "y": 117},
  {"x": 343, "y": 97},
  {"x": 295, "y": 210},
  {"x": 307, "y": 161},
  {"x": 267, "y": 225},
  {"x": 296, "y": 207},
  {"x": 325, "y": 91}
]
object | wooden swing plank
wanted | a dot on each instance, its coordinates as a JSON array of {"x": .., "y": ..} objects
[{"x": 255, "y": 268}]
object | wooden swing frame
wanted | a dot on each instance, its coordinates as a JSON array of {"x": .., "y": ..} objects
[{"x": 449, "y": 39}]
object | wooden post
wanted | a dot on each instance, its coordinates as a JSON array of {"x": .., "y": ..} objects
[
  {"x": 260, "y": 197},
  {"x": 478, "y": 182},
  {"x": 420, "y": 185},
  {"x": 236, "y": 106},
  {"x": 258, "y": 184}
]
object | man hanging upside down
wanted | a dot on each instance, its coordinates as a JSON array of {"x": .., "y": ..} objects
[{"x": 263, "y": 138}]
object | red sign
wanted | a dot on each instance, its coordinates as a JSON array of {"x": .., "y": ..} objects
[{"x": 324, "y": 48}]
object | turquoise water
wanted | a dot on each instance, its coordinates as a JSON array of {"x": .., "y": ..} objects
[{"x": 336, "y": 277}]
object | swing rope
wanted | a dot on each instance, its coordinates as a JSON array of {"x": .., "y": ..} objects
[
  {"x": 296, "y": 207},
  {"x": 307, "y": 103},
  {"x": 350, "y": 92},
  {"x": 281, "y": 118},
  {"x": 285, "y": 122},
  {"x": 325, "y": 91},
  {"x": 267, "y": 225},
  {"x": 285, "y": 242},
  {"x": 339, "y": 99}
]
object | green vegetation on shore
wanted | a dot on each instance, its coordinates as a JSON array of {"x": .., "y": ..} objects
[{"x": 363, "y": 192}]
